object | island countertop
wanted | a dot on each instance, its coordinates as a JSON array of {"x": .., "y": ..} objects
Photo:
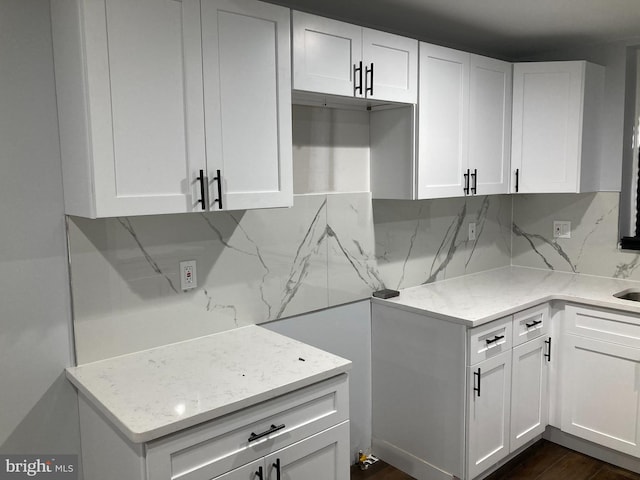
[
  {"x": 479, "y": 298},
  {"x": 165, "y": 389}
]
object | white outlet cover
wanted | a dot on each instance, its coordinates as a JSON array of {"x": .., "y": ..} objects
[
  {"x": 188, "y": 275},
  {"x": 561, "y": 229},
  {"x": 472, "y": 231}
]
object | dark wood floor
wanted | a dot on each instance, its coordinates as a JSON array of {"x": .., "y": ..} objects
[
  {"x": 379, "y": 471},
  {"x": 542, "y": 461}
]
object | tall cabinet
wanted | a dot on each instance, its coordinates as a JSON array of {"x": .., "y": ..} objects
[{"x": 156, "y": 100}]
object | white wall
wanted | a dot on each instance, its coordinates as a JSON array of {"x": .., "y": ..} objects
[
  {"x": 38, "y": 413},
  {"x": 344, "y": 331}
]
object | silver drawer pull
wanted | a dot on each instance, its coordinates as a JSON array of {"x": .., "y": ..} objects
[{"x": 256, "y": 436}]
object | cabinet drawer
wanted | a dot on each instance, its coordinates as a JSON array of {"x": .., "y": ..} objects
[
  {"x": 489, "y": 340},
  {"x": 607, "y": 325},
  {"x": 209, "y": 450},
  {"x": 530, "y": 324}
]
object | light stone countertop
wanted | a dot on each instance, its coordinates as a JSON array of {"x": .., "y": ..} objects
[
  {"x": 482, "y": 297},
  {"x": 163, "y": 390}
]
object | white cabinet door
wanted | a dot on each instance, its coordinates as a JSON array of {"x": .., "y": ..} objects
[
  {"x": 547, "y": 126},
  {"x": 529, "y": 391},
  {"x": 600, "y": 394},
  {"x": 490, "y": 124},
  {"x": 443, "y": 122},
  {"x": 323, "y": 456},
  {"x": 325, "y": 54},
  {"x": 390, "y": 66},
  {"x": 489, "y": 399},
  {"x": 339, "y": 58},
  {"x": 252, "y": 471},
  {"x": 247, "y": 89},
  {"x": 141, "y": 79}
]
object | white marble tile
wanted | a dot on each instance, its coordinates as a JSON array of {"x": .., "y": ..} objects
[
  {"x": 592, "y": 248},
  {"x": 252, "y": 267},
  {"x": 353, "y": 272},
  {"x": 330, "y": 150},
  {"x": 291, "y": 249},
  {"x": 424, "y": 241},
  {"x": 259, "y": 265}
]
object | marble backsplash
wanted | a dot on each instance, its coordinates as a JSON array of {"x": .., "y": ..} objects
[
  {"x": 260, "y": 265},
  {"x": 592, "y": 248}
]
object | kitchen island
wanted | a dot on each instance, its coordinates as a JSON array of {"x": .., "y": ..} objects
[{"x": 209, "y": 406}]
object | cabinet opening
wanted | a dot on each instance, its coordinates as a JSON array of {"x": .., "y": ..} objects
[{"x": 335, "y": 147}]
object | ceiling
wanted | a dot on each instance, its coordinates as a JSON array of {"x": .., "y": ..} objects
[{"x": 508, "y": 29}]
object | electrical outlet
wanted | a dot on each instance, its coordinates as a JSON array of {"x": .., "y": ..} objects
[
  {"x": 472, "y": 231},
  {"x": 561, "y": 229},
  {"x": 188, "y": 275}
]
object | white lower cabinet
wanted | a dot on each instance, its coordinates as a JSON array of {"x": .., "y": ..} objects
[
  {"x": 507, "y": 403},
  {"x": 297, "y": 436},
  {"x": 601, "y": 378},
  {"x": 250, "y": 471},
  {"x": 449, "y": 401},
  {"x": 321, "y": 457},
  {"x": 422, "y": 366},
  {"x": 488, "y": 407},
  {"x": 529, "y": 390}
]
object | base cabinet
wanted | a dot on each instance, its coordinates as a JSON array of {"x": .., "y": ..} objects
[
  {"x": 297, "y": 436},
  {"x": 600, "y": 378},
  {"x": 489, "y": 405},
  {"x": 449, "y": 401},
  {"x": 321, "y": 457},
  {"x": 530, "y": 391}
]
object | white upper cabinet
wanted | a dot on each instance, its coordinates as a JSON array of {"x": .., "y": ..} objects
[
  {"x": 490, "y": 124},
  {"x": 325, "y": 53},
  {"x": 247, "y": 94},
  {"x": 390, "y": 66},
  {"x": 443, "y": 126},
  {"x": 133, "y": 105},
  {"x": 464, "y": 124},
  {"x": 556, "y": 127},
  {"x": 338, "y": 58},
  {"x": 129, "y": 85}
]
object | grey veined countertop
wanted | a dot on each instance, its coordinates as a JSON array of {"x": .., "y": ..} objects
[{"x": 482, "y": 297}]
